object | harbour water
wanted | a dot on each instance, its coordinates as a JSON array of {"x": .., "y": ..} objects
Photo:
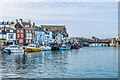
[{"x": 86, "y": 62}]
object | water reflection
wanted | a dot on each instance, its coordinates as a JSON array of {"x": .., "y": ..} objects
[{"x": 59, "y": 64}]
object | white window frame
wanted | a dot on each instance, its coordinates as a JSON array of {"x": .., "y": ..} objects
[
  {"x": 29, "y": 31},
  {"x": 21, "y": 31},
  {"x": 26, "y": 31},
  {"x": 29, "y": 41},
  {"x": 18, "y": 36},
  {"x": 33, "y": 31},
  {"x": 21, "y": 35}
]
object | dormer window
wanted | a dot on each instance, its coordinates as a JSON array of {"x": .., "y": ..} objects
[
  {"x": 5, "y": 22},
  {"x": 11, "y": 30},
  {"x": 26, "y": 25}
]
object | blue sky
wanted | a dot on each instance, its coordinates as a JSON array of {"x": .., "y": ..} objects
[{"x": 82, "y": 19}]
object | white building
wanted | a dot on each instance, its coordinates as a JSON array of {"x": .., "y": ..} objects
[
  {"x": 39, "y": 36},
  {"x": 6, "y": 23},
  {"x": 10, "y": 35},
  {"x": 2, "y": 36}
]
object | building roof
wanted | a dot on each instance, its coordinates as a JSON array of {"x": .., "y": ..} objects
[
  {"x": 39, "y": 29},
  {"x": 57, "y": 26},
  {"x": 7, "y": 28},
  {"x": 6, "y": 22},
  {"x": 18, "y": 25}
]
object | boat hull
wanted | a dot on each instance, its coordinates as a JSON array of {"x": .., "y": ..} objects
[
  {"x": 64, "y": 48},
  {"x": 16, "y": 50},
  {"x": 32, "y": 50},
  {"x": 55, "y": 48},
  {"x": 75, "y": 47}
]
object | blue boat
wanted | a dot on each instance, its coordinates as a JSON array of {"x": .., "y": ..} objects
[{"x": 64, "y": 47}]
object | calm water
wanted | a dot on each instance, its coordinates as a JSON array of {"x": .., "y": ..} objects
[{"x": 87, "y": 62}]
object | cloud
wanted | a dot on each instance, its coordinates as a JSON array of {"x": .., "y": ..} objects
[{"x": 77, "y": 16}]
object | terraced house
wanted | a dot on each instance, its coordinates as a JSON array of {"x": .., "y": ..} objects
[
  {"x": 4, "y": 24},
  {"x": 10, "y": 35},
  {"x": 25, "y": 32},
  {"x": 59, "y": 32}
]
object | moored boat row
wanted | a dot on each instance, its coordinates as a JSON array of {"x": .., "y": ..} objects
[{"x": 34, "y": 48}]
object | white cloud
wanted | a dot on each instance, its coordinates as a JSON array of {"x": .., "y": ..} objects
[{"x": 75, "y": 16}]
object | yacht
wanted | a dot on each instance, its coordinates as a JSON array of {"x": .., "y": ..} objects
[
  {"x": 65, "y": 47},
  {"x": 45, "y": 48},
  {"x": 15, "y": 49}
]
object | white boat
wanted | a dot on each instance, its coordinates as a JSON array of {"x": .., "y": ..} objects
[
  {"x": 45, "y": 48},
  {"x": 64, "y": 47},
  {"x": 15, "y": 49}
]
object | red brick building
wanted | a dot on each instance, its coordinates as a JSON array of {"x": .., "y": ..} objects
[
  {"x": 20, "y": 35},
  {"x": 29, "y": 32},
  {"x": 25, "y": 32}
]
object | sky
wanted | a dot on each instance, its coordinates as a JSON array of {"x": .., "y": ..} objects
[{"x": 82, "y": 19}]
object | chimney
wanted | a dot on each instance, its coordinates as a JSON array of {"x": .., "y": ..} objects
[
  {"x": 29, "y": 21},
  {"x": 20, "y": 21},
  {"x": 33, "y": 25},
  {"x": 16, "y": 21}
]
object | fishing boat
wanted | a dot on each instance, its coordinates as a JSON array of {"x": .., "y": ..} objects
[
  {"x": 14, "y": 49},
  {"x": 75, "y": 47},
  {"x": 32, "y": 48},
  {"x": 65, "y": 47},
  {"x": 45, "y": 48}
]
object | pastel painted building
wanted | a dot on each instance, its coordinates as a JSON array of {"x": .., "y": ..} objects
[
  {"x": 2, "y": 36},
  {"x": 10, "y": 36},
  {"x": 48, "y": 36},
  {"x": 39, "y": 36}
]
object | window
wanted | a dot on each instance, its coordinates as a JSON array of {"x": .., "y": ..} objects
[
  {"x": 11, "y": 36},
  {"x": 21, "y": 31},
  {"x": 33, "y": 36},
  {"x": 20, "y": 41},
  {"x": 11, "y": 30},
  {"x": 17, "y": 35},
  {"x": 29, "y": 31},
  {"x": 29, "y": 41},
  {"x": 33, "y": 31},
  {"x": 33, "y": 42},
  {"x": 17, "y": 31},
  {"x": 26, "y": 41},
  {"x": 28, "y": 36},
  {"x": 26, "y": 25},
  {"x": 26, "y": 31},
  {"x": 21, "y": 35}
]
